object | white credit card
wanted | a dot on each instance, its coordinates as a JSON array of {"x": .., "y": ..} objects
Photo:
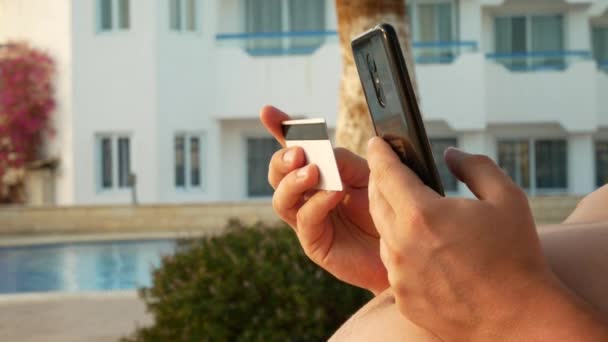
[{"x": 311, "y": 135}]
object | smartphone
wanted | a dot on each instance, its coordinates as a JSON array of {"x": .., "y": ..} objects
[{"x": 392, "y": 102}]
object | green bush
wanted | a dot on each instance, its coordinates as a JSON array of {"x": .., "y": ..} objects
[{"x": 250, "y": 284}]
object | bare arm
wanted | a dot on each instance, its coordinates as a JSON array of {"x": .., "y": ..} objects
[{"x": 576, "y": 251}]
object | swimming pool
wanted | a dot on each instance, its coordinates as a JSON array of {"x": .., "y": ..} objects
[{"x": 76, "y": 267}]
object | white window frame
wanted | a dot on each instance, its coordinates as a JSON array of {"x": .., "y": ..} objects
[
  {"x": 533, "y": 190},
  {"x": 188, "y": 187},
  {"x": 412, "y": 7},
  {"x": 114, "y": 137},
  {"x": 183, "y": 15},
  {"x": 115, "y": 17}
]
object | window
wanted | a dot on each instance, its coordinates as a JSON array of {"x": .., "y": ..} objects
[
  {"x": 433, "y": 22},
  {"x": 106, "y": 163},
  {"x": 113, "y": 14},
  {"x": 450, "y": 184},
  {"x": 535, "y": 165},
  {"x": 514, "y": 158},
  {"x": 114, "y": 161},
  {"x": 259, "y": 153},
  {"x": 276, "y": 16},
  {"x": 124, "y": 162},
  {"x": 105, "y": 15},
  {"x": 600, "y": 46},
  {"x": 123, "y": 14},
  {"x": 183, "y": 15},
  {"x": 522, "y": 35},
  {"x": 551, "y": 164},
  {"x": 601, "y": 163},
  {"x": 188, "y": 161}
]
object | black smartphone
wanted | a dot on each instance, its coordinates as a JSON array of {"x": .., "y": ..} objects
[{"x": 392, "y": 102}]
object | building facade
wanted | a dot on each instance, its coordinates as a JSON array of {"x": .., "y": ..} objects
[{"x": 169, "y": 90}]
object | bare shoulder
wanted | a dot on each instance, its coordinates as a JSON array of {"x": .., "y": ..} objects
[{"x": 380, "y": 320}]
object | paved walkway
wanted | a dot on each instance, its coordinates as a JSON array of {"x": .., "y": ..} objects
[
  {"x": 44, "y": 239},
  {"x": 95, "y": 317}
]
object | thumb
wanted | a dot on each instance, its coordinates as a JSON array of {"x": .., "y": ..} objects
[{"x": 481, "y": 175}]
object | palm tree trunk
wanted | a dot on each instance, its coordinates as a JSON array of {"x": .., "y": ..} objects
[{"x": 354, "y": 127}]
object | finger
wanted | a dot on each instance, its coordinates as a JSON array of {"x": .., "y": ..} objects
[
  {"x": 383, "y": 215},
  {"x": 354, "y": 170},
  {"x": 288, "y": 196},
  {"x": 399, "y": 185},
  {"x": 313, "y": 213},
  {"x": 272, "y": 118},
  {"x": 283, "y": 162},
  {"x": 481, "y": 175}
]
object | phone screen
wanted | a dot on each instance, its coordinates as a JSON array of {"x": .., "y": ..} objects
[{"x": 385, "y": 101}]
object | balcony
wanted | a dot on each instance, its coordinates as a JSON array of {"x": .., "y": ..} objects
[
  {"x": 539, "y": 60},
  {"x": 300, "y": 72},
  {"x": 559, "y": 87},
  {"x": 277, "y": 43},
  {"x": 441, "y": 52}
]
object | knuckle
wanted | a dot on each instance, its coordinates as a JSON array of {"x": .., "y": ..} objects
[
  {"x": 301, "y": 218},
  {"x": 270, "y": 179},
  {"x": 516, "y": 193},
  {"x": 278, "y": 155},
  {"x": 396, "y": 258},
  {"x": 276, "y": 204},
  {"x": 419, "y": 218}
]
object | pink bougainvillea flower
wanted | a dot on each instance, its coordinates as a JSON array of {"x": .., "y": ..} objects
[{"x": 26, "y": 104}]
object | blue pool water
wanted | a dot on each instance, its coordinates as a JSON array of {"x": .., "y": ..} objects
[{"x": 75, "y": 267}]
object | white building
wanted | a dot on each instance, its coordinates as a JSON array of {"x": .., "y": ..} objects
[{"x": 170, "y": 89}]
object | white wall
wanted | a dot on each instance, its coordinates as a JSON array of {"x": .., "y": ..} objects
[
  {"x": 188, "y": 94},
  {"x": 577, "y": 29},
  {"x": 470, "y": 20},
  {"x": 115, "y": 90},
  {"x": 446, "y": 92},
  {"x": 29, "y": 20},
  {"x": 233, "y": 179},
  {"x": 566, "y": 97},
  {"x": 581, "y": 164},
  {"x": 300, "y": 85}
]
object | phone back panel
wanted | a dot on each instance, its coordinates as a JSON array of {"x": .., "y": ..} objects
[{"x": 392, "y": 101}]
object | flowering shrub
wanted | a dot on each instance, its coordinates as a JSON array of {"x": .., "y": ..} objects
[{"x": 26, "y": 104}]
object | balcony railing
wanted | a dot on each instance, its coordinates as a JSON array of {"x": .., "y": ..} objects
[
  {"x": 307, "y": 42},
  {"x": 441, "y": 52},
  {"x": 539, "y": 60},
  {"x": 278, "y": 43}
]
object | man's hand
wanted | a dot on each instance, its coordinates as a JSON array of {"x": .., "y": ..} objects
[
  {"x": 335, "y": 229},
  {"x": 467, "y": 270}
]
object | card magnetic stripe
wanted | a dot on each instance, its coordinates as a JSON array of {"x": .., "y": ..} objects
[{"x": 316, "y": 131}]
